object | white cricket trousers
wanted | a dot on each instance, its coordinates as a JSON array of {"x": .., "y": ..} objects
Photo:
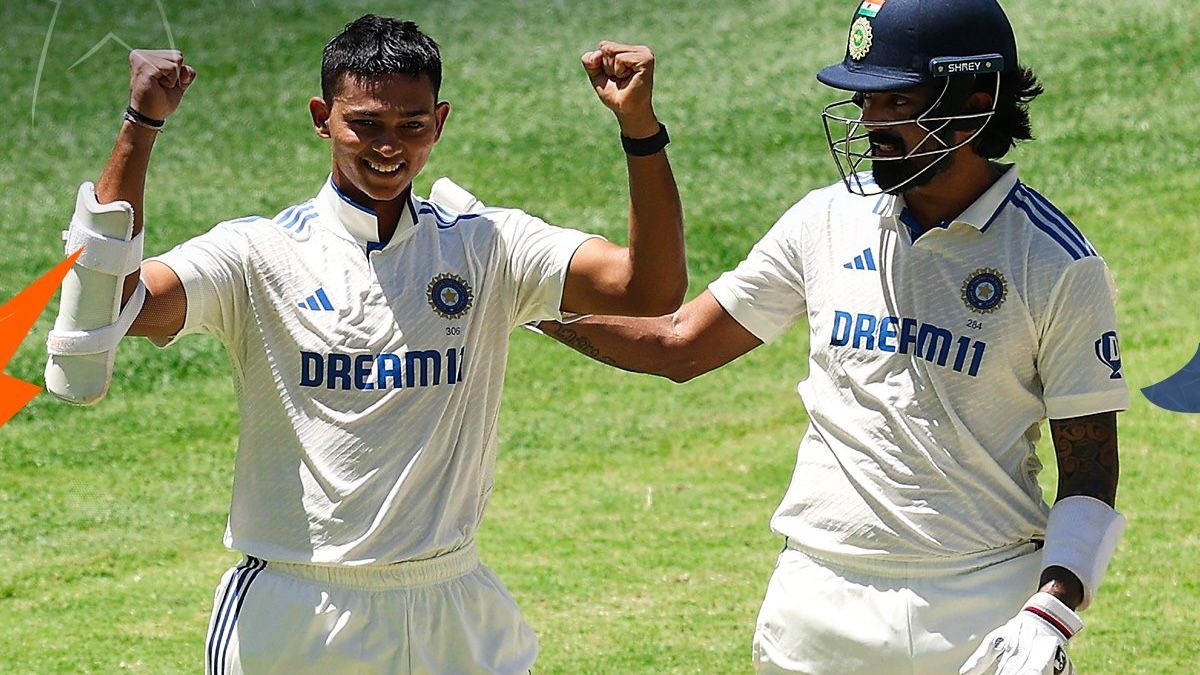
[
  {"x": 887, "y": 618},
  {"x": 449, "y": 615}
]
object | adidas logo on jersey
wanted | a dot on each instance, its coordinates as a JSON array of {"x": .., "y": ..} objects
[
  {"x": 865, "y": 261},
  {"x": 318, "y": 302}
]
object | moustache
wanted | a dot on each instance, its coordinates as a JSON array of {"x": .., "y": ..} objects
[{"x": 886, "y": 139}]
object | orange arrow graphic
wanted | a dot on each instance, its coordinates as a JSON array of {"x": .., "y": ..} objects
[{"x": 17, "y": 317}]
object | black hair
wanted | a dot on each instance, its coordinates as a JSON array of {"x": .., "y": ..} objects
[
  {"x": 373, "y": 46},
  {"x": 1010, "y": 124}
]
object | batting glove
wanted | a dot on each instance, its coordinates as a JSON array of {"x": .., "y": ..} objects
[{"x": 1034, "y": 642}]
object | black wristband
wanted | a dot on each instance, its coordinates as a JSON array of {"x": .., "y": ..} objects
[
  {"x": 644, "y": 147},
  {"x": 138, "y": 118}
]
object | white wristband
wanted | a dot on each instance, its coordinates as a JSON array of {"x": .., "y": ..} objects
[
  {"x": 1081, "y": 536},
  {"x": 1054, "y": 612}
]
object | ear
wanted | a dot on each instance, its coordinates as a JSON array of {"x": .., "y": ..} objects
[
  {"x": 440, "y": 111},
  {"x": 319, "y": 110},
  {"x": 978, "y": 102}
]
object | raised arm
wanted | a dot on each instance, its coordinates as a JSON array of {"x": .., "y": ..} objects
[
  {"x": 157, "y": 82},
  {"x": 101, "y": 300},
  {"x": 649, "y": 277},
  {"x": 699, "y": 337}
]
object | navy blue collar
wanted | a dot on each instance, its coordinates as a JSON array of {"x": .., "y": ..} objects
[
  {"x": 914, "y": 228},
  {"x": 979, "y": 215}
]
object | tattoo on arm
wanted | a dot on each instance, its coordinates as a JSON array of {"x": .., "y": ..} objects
[
  {"x": 1087, "y": 465},
  {"x": 1087, "y": 456},
  {"x": 571, "y": 338}
]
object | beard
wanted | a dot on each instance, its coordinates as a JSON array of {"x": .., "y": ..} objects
[{"x": 896, "y": 176}]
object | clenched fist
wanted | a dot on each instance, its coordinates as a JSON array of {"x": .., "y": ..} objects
[
  {"x": 157, "y": 80},
  {"x": 623, "y": 77}
]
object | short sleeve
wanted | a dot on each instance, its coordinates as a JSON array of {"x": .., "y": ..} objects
[
  {"x": 765, "y": 292},
  {"x": 1079, "y": 359},
  {"x": 537, "y": 258},
  {"x": 211, "y": 268}
]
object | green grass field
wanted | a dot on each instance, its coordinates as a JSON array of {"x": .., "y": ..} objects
[{"x": 630, "y": 515}]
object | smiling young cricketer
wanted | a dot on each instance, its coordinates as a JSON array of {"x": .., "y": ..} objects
[{"x": 368, "y": 330}]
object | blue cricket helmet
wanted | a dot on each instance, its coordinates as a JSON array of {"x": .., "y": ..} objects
[
  {"x": 900, "y": 44},
  {"x": 894, "y": 45}
]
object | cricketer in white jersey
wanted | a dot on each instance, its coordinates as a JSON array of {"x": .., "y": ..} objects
[
  {"x": 951, "y": 309},
  {"x": 368, "y": 331},
  {"x": 933, "y": 361},
  {"x": 914, "y": 515},
  {"x": 368, "y": 375}
]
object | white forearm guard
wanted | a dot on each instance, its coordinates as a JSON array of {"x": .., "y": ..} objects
[
  {"x": 1081, "y": 536},
  {"x": 90, "y": 323}
]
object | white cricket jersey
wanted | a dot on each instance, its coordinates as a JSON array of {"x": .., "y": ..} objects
[
  {"x": 368, "y": 377},
  {"x": 932, "y": 364}
]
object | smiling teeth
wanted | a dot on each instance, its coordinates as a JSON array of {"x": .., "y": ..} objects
[{"x": 383, "y": 169}]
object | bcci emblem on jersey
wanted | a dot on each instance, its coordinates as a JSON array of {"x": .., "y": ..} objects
[
  {"x": 984, "y": 290},
  {"x": 449, "y": 295}
]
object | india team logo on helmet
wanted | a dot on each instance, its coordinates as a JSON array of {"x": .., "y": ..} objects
[
  {"x": 860, "y": 38},
  {"x": 861, "y": 33},
  {"x": 449, "y": 295},
  {"x": 984, "y": 290}
]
